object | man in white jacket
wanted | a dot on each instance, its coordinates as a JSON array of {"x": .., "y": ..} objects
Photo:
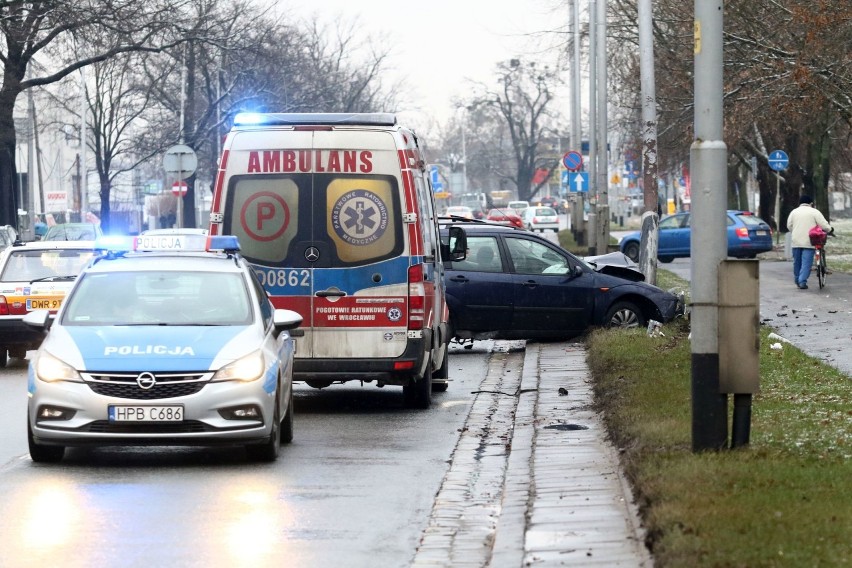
[{"x": 801, "y": 220}]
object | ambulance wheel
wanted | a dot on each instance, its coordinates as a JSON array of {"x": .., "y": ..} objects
[
  {"x": 418, "y": 393},
  {"x": 4, "y": 356},
  {"x": 268, "y": 451},
  {"x": 40, "y": 453},
  {"x": 287, "y": 423},
  {"x": 441, "y": 377}
]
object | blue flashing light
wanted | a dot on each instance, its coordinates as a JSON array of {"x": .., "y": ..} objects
[
  {"x": 249, "y": 119},
  {"x": 227, "y": 243},
  {"x": 113, "y": 243}
]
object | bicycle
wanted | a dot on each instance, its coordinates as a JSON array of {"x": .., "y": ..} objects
[{"x": 819, "y": 260}]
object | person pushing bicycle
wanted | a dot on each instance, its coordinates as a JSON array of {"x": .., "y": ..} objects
[{"x": 800, "y": 221}]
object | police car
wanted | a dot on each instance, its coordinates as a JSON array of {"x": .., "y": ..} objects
[{"x": 163, "y": 340}]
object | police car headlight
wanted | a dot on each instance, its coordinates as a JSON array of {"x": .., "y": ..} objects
[
  {"x": 248, "y": 368},
  {"x": 50, "y": 369}
]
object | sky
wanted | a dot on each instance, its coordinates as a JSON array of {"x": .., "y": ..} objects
[{"x": 437, "y": 46}]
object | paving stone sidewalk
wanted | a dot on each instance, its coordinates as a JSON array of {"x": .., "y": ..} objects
[{"x": 533, "y": 480}]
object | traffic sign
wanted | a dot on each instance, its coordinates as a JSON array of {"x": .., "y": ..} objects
[
  {"x": 778, "y": 160},
  {"x": 572, "y": 160},
  {"x": 179, "y": 188},
  {"x": 578, "y": 182},
  {"x": 180, "y": 160}
]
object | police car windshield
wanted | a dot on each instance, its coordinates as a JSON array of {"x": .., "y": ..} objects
[
  {"x": 45, "y": 265},
  {"x": 159, "y": 298}
]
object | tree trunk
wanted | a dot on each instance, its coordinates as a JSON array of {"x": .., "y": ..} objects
[
  {"x": 106, "y": 190},
  {"x": 9, "y": 198},
  {"x": 818, "y": 169}
]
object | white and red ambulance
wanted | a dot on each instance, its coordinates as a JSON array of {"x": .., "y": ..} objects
[{"x": 336, "y": 214}]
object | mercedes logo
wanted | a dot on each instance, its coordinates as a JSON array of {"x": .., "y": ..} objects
[
  {"x": 146, "y": 381},
  {"x": 312, "y": 254}
]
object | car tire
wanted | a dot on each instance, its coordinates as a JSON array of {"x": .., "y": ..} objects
[
  {"x": 4, "y": 356},
  {"x": 418, "y": 392},
  {"x": 665, "y": 259},
  {"x": 268, "y": 451},
  {"x": 287, "y": 423},
  {"x": 624, "y": 314},
  {"x": 441, "y": 378},
  {"x": 631, "y": 249},
  {"x": 40, "y": 453}
]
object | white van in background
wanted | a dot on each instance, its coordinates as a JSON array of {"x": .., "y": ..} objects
[{"x": 335, "y": 211}]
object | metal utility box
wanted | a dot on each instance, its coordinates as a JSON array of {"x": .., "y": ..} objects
[{"x": 739, "y": 326}]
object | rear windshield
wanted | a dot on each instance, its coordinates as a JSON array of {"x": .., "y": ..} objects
[
  {"x": 349, "y": 219},
  {"x": 34, "y": 265},
  {"x": 750, "y": 220}
]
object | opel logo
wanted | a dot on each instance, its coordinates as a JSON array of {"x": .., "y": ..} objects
[
  {"x": 146, "y": 381},
  {"x": 312, "y": 254}
]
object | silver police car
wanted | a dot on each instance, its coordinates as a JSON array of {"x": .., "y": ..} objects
[{"x": 163, "y": 340}]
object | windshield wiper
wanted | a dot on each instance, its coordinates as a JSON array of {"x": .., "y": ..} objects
[{"x": 66, "y": 278}]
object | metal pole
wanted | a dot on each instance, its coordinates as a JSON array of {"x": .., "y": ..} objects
[
  {"x": 577, "y": 225},
  {"x": 708, "y": 157},
  {"x": 84, "y": 177},
  {"x": 464, "y": 153},
  {"x": 602, "y": 185},
  {"x": 593, "y": 149},
  {"x": 650, "y": 220}
]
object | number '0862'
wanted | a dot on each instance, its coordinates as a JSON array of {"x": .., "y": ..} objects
[{"x": 282, "y": 277}]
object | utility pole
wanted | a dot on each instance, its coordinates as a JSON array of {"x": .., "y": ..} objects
[
  {"x": 84, "y": 181},
  {"x": 708, "y": 159},
  {"x": 592, "y": 228},
  {"x": 602, "y": 185},
  {"x": 650, "y": 219},
  {"x": 577, "y": 223}
]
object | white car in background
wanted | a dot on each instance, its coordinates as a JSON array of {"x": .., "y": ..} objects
[
  {"x": 539, "y": 218},
  {"x": 462, "y": 211}
]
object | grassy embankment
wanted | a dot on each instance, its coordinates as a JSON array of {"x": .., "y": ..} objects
[{"x": 784, "y": 500}]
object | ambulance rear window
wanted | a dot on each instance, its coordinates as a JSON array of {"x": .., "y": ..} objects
[{"x": 351, "y": 219}]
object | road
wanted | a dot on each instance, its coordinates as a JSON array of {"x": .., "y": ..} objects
[
  {"x": 819, "y": 322},
  {"x": 355, "y": 488}
]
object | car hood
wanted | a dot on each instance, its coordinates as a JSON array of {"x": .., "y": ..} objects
[
  {"x": 616, "y": 264},
  {"x": 151, "y": 348}
]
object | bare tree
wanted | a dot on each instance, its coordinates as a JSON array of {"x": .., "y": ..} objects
[
  {"x": 46, "y": 29},
  {"x": 522, "y": 103}
]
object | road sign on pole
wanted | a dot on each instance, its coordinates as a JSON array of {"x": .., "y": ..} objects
[
  {"x": 778, "y": 160},
  {"x": 578, "y": 182},
  {"x": 572, "y": 160},
  {"x": 179, "y": 188},
  {"x": 180, "y": 160}
]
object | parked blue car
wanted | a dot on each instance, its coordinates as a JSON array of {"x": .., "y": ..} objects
[{"x": 748, "y": 236}]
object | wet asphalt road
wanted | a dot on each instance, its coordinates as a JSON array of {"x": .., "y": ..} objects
[
  {"x": 355, "y": 488},
  {"x": 818, "y": 321}
]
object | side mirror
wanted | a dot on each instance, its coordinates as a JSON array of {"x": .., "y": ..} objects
[
  {"x": 578, "y": 271},
  {"x": 457, "y": 249},
  {"x": 287, "y": 320},
  {"x": 38, "y": 319}
]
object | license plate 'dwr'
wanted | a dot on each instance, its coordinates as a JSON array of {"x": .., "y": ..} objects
[
  {"x": 43, "y": 303},
  {"x": 129, "y": 413}
]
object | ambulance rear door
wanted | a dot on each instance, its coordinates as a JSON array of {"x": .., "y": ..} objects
[{"x": 319, "y": 215}]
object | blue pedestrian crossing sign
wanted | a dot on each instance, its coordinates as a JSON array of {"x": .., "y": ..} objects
[
  {"x": 578, "y": 182},
  {"x": 778, "y": 160}
]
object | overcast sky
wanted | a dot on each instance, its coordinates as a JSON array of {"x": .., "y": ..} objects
[{"x": 438, "y": 44}]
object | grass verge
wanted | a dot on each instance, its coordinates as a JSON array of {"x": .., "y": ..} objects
[{"x": 785, "y": 500}]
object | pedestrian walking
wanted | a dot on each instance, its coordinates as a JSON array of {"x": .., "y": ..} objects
[{"x": 800, "y": 221}]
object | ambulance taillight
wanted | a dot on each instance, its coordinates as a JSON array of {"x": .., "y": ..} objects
[{"x": 416, "y": 297}]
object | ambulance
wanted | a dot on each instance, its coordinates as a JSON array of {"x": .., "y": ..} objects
[{"x": 336, "y": 214}]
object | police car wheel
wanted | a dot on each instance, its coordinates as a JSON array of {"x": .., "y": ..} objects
[
  {"x": 287, "y": 423},
  {"x": 4, "y": 356},
  {"x": 43, "y": 454},
  {"x": 268, "y": 451}
]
